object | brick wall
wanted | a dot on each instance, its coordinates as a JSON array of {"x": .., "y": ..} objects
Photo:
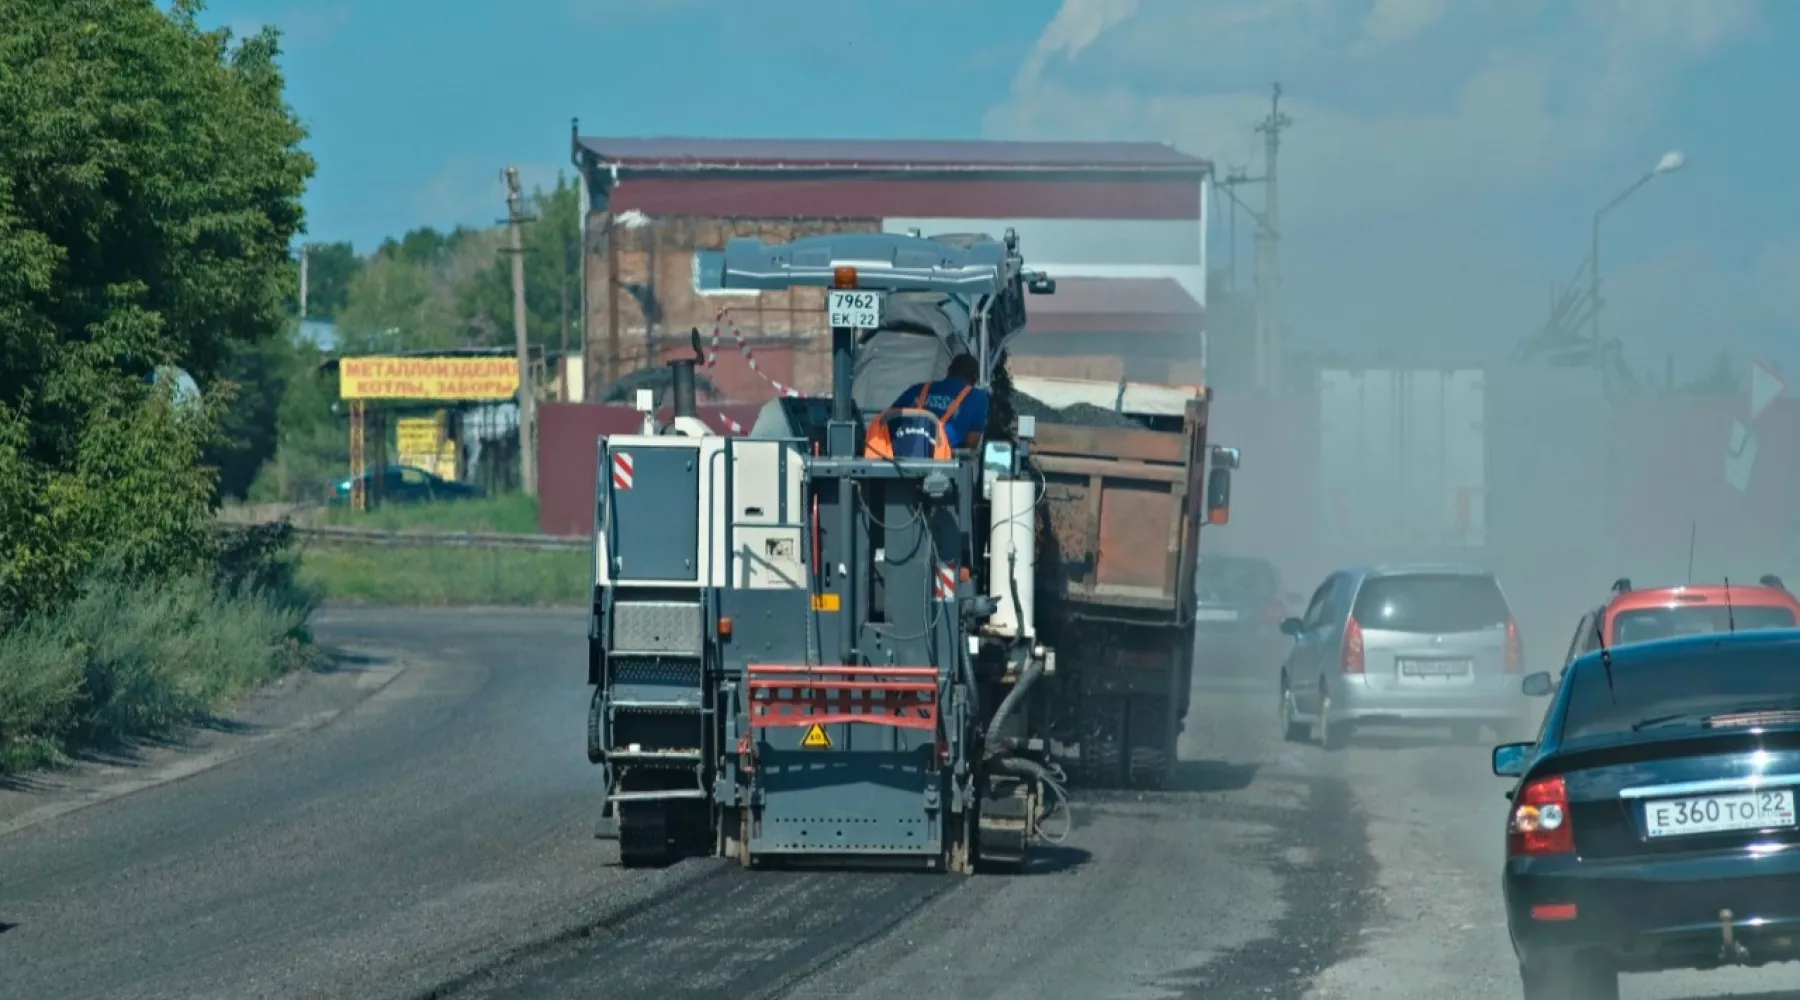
[{"x": 652, "y": 259}]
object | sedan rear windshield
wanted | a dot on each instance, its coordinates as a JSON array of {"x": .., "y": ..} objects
[
  {"x": 1679, "y": 690},
  {"x": 1650, "y": 624},
  {"x": 1431, "y": 602}
]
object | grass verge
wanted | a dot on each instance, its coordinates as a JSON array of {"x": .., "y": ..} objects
[
  {"x": 414, "y": 577},
  {"x": 514, "y": 513},
  {"x": 126, "y": 661}
]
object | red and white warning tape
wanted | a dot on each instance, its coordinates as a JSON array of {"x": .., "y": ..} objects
[{"x": 743, "y": 346}]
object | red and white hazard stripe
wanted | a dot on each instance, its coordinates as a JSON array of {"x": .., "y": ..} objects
[
  {"x": 621, "y": 470},
  {"x": 743, "y": 346},
  {"x": 945, "y": 588}
]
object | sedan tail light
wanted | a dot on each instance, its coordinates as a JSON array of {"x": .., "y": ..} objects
[
  {"x": 1352, "y": 656},
  {"x": 1540, "y": 822},
  {"x": 1515, "y": 650},
  {"x": 1274, "y": 611}
]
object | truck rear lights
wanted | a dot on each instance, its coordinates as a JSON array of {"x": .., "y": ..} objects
[
  {"x": 1515, "y": 650},
  {"x": 1540, "y": 823},
  {"x": 1351, "y": 661}
]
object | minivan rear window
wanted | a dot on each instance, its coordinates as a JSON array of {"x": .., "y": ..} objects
[
  {"x": 1650, "y": 624},
  {"x": 1431, "y": 602}
]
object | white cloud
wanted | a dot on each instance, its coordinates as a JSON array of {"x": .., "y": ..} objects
[
  {"x": 1423, "y": 132},
  {"x": 1395, "y": 21},
  {"x": 1533, "y": 92}
]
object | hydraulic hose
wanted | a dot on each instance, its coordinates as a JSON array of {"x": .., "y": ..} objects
[{"x": 1010, "y": 703}]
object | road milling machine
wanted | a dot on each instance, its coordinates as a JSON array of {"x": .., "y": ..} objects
[{"x": 803, "y": 651}]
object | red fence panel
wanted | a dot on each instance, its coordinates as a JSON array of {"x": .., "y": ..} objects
[{"x": 568, "y": 435}]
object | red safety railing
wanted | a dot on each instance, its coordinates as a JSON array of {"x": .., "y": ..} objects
[{"x": 789, "y": 696}]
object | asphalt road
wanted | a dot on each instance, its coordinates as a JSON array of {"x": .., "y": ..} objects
[{"x": 434, "y": 838}]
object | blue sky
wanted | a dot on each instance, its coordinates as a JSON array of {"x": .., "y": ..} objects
[{"x": 1444, "y": 162}]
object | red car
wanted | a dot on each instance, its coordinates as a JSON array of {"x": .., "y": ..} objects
[{"x": 1667, "y": 612}]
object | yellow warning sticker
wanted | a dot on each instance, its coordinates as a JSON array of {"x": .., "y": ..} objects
[
  {"x": 825, "y": 602},
  {"x": 815, "y": 739}
]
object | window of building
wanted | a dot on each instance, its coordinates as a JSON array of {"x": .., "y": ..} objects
[{"x": 709, "y": 274}]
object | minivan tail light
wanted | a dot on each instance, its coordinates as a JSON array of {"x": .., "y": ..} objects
[
  {"x": 1515, "y": 651},
  {"x": 1352, "y": 662},
  {"x": 1540, "y": 823}
]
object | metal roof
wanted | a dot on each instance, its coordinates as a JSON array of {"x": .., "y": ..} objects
[
  {"x": 887, "y": 155},
  {"x": 1117, "y": 297}
]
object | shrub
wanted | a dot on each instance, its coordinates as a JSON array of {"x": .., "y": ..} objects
[{"x": 125, "y": 660}]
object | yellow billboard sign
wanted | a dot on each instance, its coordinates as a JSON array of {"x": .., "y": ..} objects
[{"x": 428, "y": 378}]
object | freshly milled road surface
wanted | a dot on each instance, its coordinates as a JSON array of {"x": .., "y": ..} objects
[
  {"x": 446, "y": 821},
  {"x": 1240, "y": 883}
]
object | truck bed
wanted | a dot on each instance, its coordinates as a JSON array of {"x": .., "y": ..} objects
[{"x": 1124, "y": 506}]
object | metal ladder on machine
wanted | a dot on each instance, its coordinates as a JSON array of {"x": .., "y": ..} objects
[{"x": 659, "y": 723}]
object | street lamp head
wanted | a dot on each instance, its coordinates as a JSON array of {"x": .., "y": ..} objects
[{"x": 1671, "y": 161}]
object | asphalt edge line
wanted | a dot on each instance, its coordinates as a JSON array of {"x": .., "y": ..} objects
[
  {"x": 185, "y": 766},
  {"x": 709, "y": 870}
]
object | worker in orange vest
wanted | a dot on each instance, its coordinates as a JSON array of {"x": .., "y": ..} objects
[{"x": 931, "y": 419}]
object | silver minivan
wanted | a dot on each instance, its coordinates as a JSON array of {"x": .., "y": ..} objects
[{"x": 1423, "y": 644}]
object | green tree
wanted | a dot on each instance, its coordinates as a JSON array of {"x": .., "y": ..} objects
[
  {"x": 330, "y": 267},
  {"x": 150, "y": 182},
  {"x": 552, "y": 243}
]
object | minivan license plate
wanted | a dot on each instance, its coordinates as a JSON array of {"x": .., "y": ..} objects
[
  {"x": 1719, "y": 813},
  {"x": 1434, "y": 668}
]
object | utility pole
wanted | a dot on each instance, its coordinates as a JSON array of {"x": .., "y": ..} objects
[
  {"x": 515, "y": 219},
  {"x": 303, "y": 252},
  {"x": 1268, "y": 258}
]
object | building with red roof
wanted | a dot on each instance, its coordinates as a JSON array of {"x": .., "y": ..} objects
[{"x": 1120, "y": 225}]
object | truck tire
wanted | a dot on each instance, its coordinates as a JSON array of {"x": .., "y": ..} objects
[
  {"x": 1149, "y": 731},
  {"x": 1102, "y": 763}
]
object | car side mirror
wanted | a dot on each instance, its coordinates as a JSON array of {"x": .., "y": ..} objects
[
  {"x": 1538, "y": 685},
  {"x": 1290, "y": 626},
  {"x": 1510, "y": 759}
]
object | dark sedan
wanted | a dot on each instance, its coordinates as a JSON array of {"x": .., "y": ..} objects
[
  {"x": 1238, "y": 599},
  {"x": 404, "y": 484},
  {"x": 1653, "y": 824}
]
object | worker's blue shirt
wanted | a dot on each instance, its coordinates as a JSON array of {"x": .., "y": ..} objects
[{"x": 969, "y": 418}]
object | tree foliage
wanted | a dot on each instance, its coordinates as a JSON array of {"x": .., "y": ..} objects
[
  {"x": 552, "y": 242},
  {"x": 330, "y": 267},
  {"x": 150, "y": 182},
  {"x": 434, "y": 289}
]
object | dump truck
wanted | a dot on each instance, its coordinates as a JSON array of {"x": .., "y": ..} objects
[
  {"x": 803, "y": 650},
  {"x": 1130, "y": 479}
]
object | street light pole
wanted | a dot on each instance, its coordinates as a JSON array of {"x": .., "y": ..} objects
[{"x": 1671, "y": 161}]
